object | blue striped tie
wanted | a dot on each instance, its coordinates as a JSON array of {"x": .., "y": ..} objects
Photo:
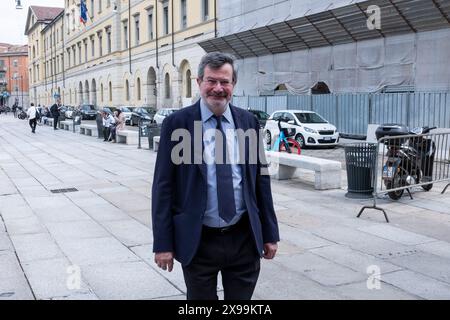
[{"x": 224, "y": 176}]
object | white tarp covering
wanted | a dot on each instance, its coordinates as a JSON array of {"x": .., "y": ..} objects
[
  {"x": 240, "y": 15},
  {"x": 420, "y": 60}
]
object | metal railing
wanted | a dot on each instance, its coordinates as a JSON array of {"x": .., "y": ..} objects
[
  {"x": 351, "y": 113},
  {"x": 147, "y": 129},
  {"x": 407, "y": 161}
]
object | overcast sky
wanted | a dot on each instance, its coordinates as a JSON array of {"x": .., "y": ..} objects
[{"x": 12, "y": 20}]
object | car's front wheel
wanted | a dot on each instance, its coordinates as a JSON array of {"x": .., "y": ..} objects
[
  {"x": 300, "y": 139},
  {"x": 268, "y": 137}
]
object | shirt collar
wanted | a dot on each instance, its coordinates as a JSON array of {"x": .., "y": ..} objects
[{"x": 207, "y": 114}]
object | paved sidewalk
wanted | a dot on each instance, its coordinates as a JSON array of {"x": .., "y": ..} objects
[{"x": 96, "y": 243}]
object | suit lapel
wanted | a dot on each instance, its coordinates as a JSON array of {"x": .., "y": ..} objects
[
  {"x": 196, "y": 152},
  {"x": 243, "y": 159}
]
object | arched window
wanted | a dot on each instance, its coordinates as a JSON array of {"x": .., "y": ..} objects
[
  {"x": 127, "y": 90},
  {"x": 188, "y": 84},
  {"x": 167, "y": 85},
  {"x": 110, "y": 91},
  {"x": 320, "y": 88},
  {"x": 101, "y": 92},
  {"x": 138, "y": 89}
]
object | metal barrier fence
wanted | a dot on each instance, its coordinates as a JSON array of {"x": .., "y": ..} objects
[
  {"x": 351, "y": 113},
  {"x": 147, "y": 129},
  {"x": 407, "y": 161}
]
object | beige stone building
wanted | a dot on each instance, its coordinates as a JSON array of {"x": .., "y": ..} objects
[{"x": 129, "y": 52}]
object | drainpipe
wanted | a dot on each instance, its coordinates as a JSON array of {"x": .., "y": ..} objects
[
  {"x": 157, "y": 35},
  {"x": 215, "y": 18},
  {"x": 62, "y": 57},
  {"x": 173, "y": 39},
  {"x": 129, "y": 34}
]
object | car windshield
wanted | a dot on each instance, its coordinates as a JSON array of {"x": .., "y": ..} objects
[
  {"x": 309, "y": 117},
  {"x": 261, "y": 115},
  {"x": 125, "y": 109},
  {"x": 144, "y": 111},
  {"x": 87, "y": 108},
  {"x": 150, "y": 110}
]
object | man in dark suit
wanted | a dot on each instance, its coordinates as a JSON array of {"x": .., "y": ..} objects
[
  {"x": 54, "y": 109},
  {"x": 212, "y": 214}
]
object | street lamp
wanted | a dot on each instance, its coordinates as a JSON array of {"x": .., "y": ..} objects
[{"x": 18, "y": 4}]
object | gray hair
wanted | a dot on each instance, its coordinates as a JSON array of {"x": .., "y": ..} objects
[{"x": 216, "y": 60}]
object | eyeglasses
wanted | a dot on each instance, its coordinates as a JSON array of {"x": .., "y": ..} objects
[{"x": 213, "y": 82}]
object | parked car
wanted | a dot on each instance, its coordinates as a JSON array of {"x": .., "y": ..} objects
[
  {"x": 110, "y": 110},
  {"x": 62, "y": 113},
  {"x": 88, "y": 112},
  {"x": 141, "y": 113},
  {"x": 261, "y": 116},
  {"x": 161, "y": 114},
  {"x": 127, "y": 111},
  {"x": 151, "y": 111},
  {"x": 310, "y": 128}
]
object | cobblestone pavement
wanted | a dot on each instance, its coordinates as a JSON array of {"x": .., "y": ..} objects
[{"x": 96, "y": 242}]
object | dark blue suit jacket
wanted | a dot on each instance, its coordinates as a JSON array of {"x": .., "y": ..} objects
[{"x": 179, "y": 191}]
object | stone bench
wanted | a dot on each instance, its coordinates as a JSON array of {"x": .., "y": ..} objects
[
  {"x": 67, "y": 125},
  {"x": 89, "y": 130},
  {"x": 50, "y": 122},
  {"x": 155, "y": 143},
  {"x": 327, "y": 173},
  {"x": 127, "y": 137},
  {"x": 61, "y": 124}
]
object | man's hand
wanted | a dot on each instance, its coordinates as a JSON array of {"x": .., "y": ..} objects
[
  {"x": 269, "y": 250},
  {"x": 164, "y": 260}
]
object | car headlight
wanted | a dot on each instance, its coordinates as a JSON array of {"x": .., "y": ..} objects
[{"x": 309, "y": 130}]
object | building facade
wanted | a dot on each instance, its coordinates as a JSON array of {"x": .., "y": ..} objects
[
  {"x": 343, "y": 46},
  {"x": 13, "y": 75},
  {"x": 129, "y": 52}
]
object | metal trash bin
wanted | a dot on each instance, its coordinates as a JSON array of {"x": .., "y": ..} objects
[
  {"x": 154, "y": 130},
  {"x": 143, "y": 131},
  {"x": 99, "y": 121},
  {"x": 360, "y": 162}
]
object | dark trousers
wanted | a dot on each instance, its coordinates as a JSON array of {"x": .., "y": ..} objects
[
  {"x": 234, "y": 254},
  {"x": 106, "y": 132},
  {"x": 32, "y": 123},
  {"x": 55, "y": 122},
  {"x": 113, "y": 132}
]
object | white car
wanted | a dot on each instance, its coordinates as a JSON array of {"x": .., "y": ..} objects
[
  {"x": 161, "y": 114},
  {"x": 69, "y": 112},
  {"x": 310, "y": 128}
]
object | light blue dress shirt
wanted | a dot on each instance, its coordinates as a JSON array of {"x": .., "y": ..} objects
[{"x": 209, "y": 123}]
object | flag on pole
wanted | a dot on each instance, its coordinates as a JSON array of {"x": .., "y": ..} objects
[{"x": 83, "y": 12}]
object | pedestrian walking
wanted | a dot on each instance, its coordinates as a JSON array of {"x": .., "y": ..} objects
[
  {"x": 33, "y": 115},
  {"x": 213, "y": 216},
  {"x": 54, "y": 109}
]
